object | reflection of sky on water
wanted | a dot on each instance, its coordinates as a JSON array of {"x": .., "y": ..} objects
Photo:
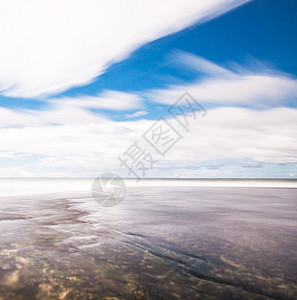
[{"x": 231, "y": 237}]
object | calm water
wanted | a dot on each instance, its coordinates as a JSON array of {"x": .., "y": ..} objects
[{"x": 159, "y": 243}]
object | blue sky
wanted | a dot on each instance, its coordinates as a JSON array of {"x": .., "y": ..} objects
[
  {"x": 263, "y": 30},
  {"x": 77, "y": 92}
]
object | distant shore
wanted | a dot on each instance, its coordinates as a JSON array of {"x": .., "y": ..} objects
[{"x": 35, "y": 186}]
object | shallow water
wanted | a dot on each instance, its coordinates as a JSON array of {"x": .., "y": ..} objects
[{"x": 159, "y": 243}]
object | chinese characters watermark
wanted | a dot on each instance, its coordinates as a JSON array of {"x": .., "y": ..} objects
[{"x": 137, "y": 159}]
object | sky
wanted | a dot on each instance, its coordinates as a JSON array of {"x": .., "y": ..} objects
[{"x": 179, "y": 89}]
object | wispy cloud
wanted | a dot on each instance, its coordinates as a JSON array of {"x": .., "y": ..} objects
[
  {"x": 220, "y": 85},
  {"x": 54, "y": 45},
  {"x": 108, "y": 100},
  {"x": 67, "y": 110},
  {"x": 137, "y": 114}
]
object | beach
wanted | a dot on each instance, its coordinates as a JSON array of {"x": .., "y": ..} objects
[{"x": 172, "y": 242}]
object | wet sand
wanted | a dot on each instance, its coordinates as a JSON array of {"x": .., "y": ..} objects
[{"x": 159, "y": 243}]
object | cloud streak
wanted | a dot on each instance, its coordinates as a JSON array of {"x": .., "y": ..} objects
[
  {"x": 224, "y": 86},
  {"x": 50, "y": 46},
  {"x": 108, "y": 100}
]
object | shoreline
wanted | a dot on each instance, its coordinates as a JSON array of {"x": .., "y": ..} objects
[{"x": 38, "y": 186}]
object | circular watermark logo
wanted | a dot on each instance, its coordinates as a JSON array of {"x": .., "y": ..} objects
[{"x": 108, "y": 189}]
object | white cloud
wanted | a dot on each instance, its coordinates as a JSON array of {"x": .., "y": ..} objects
[
  {"x": 224, "y": 86},
  {"x": 200, "y": 64},
  {"x": 108, "y": 100},
  {"x": 50, "y": 46},
  {"x": 84, "y": 144},
  {"x": 71, "y": 110},
  {"x": 265, "y": 136},
  {"x": 137, "y": 114}
]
